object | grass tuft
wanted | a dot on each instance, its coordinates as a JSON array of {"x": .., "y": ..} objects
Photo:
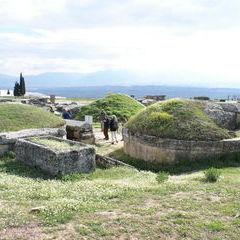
[
  {"x": 162, "y": 176},
  {"x": 212, "y": 174}
]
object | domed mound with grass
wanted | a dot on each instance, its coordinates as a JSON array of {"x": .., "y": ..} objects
[
  {"x": 14, "y": 117},
  {"x": 114, "y": 104},
  {"x": 177, "y": 119}
]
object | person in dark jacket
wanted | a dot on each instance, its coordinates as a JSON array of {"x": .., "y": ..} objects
[
  {"x": 66, "y": 115},
  {"x": 113, "y": 128},
  {"x": 106, "y": 123}
]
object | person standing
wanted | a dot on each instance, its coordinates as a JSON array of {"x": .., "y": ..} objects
[
  {"x": 106, "y": 123},
  {"x": 102, "y": 116},
  {"x": 114, "y": 128}
]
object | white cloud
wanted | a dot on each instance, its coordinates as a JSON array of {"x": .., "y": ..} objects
[
  {"x": 175, "y": 5},
  {"x": 138, "y": 35},
  {"x": 28, "y": 9},
  {"x": 36, "y": 65},
  {"x": 137, "y": 49}
]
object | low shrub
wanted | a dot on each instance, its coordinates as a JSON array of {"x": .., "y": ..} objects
[
  {"x": 162, "y": 176},
  {"x": 212, "y": 174},
  {"x": 10, "y": 154}
]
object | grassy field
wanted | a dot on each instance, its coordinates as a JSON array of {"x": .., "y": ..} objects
[
  {"x": 177, "y": 119},
  {"x": 118, "y": 104},
  {"x": 14, "y": 117},
  {"x": 118, "y": 203}
]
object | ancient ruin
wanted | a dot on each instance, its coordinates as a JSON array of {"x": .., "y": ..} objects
[
  {"x": 226, "y": 115},
  {"x": 77, "y": 158},
  {"x": 8, "y": 139},
  {"x": 80, "y": 131},
  {"x": 179, "y": 130},
  {"x": 162, "y": 150}
]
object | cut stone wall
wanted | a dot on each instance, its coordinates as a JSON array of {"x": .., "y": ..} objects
[
  {"x": 8, "y": 139},
  {"x": 79, "y": 159},
  {"x": 155, "y": 149}
]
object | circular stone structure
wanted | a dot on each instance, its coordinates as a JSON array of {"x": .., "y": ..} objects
[
  {"x": 176, "y": 130},
  {"x": 169, "y": 151}
]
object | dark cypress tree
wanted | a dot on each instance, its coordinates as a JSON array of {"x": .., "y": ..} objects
[
  {"x": 22, "y": 85},
  {"x": 17, "y": 90},
  {"x": 8, "y": 92}
]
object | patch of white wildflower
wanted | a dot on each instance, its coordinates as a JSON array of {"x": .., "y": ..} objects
[{"x": 54, "y": 143}]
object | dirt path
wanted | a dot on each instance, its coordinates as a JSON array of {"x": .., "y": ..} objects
[{"x": 105, "y": 146}]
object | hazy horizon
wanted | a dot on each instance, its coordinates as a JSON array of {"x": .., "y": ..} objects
[{"x": 190, "y": 43}]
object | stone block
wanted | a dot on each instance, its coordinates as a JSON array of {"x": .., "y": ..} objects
[
  {"x": 80, "y": 131},
  {"x": 225, "y": 115},
  {"x": 78, "y": 158}
]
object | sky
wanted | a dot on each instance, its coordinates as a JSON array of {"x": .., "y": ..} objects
[{"x": 181, "y": 38}]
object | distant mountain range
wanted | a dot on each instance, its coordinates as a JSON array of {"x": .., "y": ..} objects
[
  {"x": 98, "y": 84},
  {"x": 61, "y": 79},
  {"x": 111, "y": 78},
  {"x": 141, "y": 91}
]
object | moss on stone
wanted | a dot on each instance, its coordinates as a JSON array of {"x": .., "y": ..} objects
[{"x": 177, "y": 119}]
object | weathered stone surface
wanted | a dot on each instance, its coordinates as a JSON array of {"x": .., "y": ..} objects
[
  {"x": 8, "y": 139},
  {"x": 229, "y": 107},
  {"x": 79, "y": 159},
  {"x": 148, "y": 102},
  {"x": 108, "y": 162},
  {"x": 38, "y": 101},
  {"x": 224, "y": 114},
  {"x": 73, "y": 107},
  {"x": 154, "y": 149},
  {"x": 80, "y": 131},
  {"x": 12, "y": 136}
]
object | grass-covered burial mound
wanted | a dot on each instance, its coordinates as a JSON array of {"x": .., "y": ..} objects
[
  {"x": 14, "y": 117},
  {"x": 114, "y": 104},
  {"x": 177, "y": 119}
]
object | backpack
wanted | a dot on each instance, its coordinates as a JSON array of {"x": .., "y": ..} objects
[{"x": 114, "y": 125}]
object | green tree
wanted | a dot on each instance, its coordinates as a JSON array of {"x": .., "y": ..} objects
[
  {"x": 22, "y": 85},
  {"x": 17, "y": 90}
]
